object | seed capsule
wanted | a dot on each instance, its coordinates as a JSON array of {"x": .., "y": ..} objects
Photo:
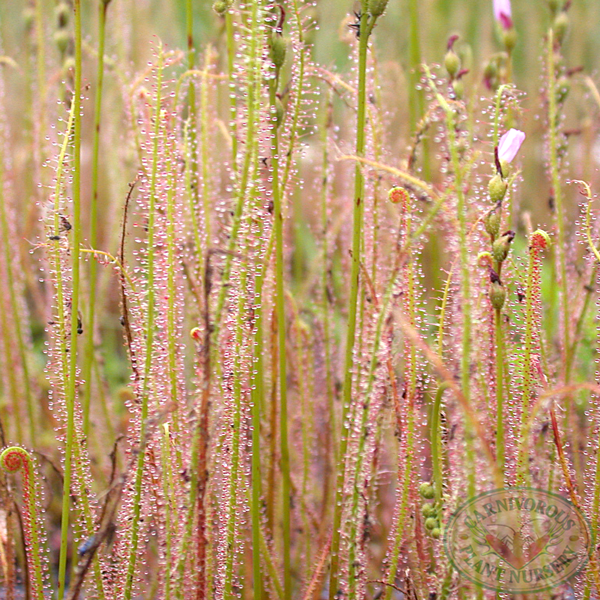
[
  {"x": 492, "y": 222},
  {"x": 497, "y": 294},
  {"x": 497, "y": 188},
  {"x": 220, "y": 7},
  {"x": 501, "y": 246},
  {"x": 452, "y": 63},
  {"x": 278, "y": 46}
]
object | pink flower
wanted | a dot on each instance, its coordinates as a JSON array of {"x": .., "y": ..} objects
[
  {"x": 509, "y": 145},
  {"x": 503, "y": 13}
]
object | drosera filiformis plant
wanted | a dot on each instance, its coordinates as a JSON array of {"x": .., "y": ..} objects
[
  {"x": 333, "y": 291},
  {"x": 14, "y": 460}
]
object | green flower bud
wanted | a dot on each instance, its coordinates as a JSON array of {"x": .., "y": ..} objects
[
  {"x": 497, "y": 188},
  {"x": 29, "y": 17},
  {"x": 509, "y": 39},
  {"x": 221, "y": 6},
  {"x": 459, "y": 88},
  {"x": 62, "y": 13},
  {"x": 428, "y": 510},
  {"x": 436, "y": 533},
  {"x": 555, "y": 5},
  {"x": 561, "y": 26},
  {"x": 280, "y": 111},
  {"x": 490, "y": 71},
  {"x": 497, "y": 294},
  {"x": 452, "y": 63},
  {"x": 278, "y": 46},
  {"x": 432, "y": 523},
  {"x": 501, "y": 246},
  {"x": 377, "y": 7},
  {"x": 69, "y": 64},
  {"x": 492, "y": 222},
  {"x": 61, "y": 39},
  {"x": 426, "y": 490}
]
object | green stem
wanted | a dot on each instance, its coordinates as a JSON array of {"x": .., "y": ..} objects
[
  {"x": 415, "y": 98},
  {"x": 465, "y": 366},
  {"x": 436, "y": 443},
  {"x": 232, "y": 84},
  {"x": 366, "y": 26},
  {"x": 532, "y": 298},
  {"x": 332, "y": 429},
  {"x": 75, "y": 254},
  {"x": 558, "y": 202},
  {"x": 93, "y": 267},
  {"x": 281, "y": 339},
  {"x": 410, "y": 390},
  {"x": 235, "y": 446},
  {"x": 252, "y": 90},
  {"x": 257, "y": 387},
  {"x": 499, "y": 342},
  {"x": 149, "y": 330}
]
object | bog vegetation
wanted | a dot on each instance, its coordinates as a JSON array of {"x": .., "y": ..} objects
[{"x": 283, "y": 283}]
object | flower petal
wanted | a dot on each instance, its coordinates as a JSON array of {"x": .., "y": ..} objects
[
  {"x": 503, "y": 13},
  {"x": 509, "y": 145}
]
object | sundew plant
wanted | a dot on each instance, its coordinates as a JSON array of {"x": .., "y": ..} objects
[{"x": 283, "y": 283}]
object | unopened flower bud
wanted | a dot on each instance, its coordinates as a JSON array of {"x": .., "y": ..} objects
[
  {"x": 61, "y": 39},
  {"x": 428, "y": 510},
  {"x": 561, "y": 26},
  {"x": 509, "y": 39},
  {"x": 492, "y": 222},
  {"x": 69, "y": 64},
  {"x": 221, "y": 6},
  {"x": 426, "y": 490},
  {"x": 28, "y": 17},
  {"x": 497, "y": 188},
  {"x": 398, "y": 195},
  {"x": 490, "y": 72},
  {"x": 432, "y": 523},
  {"x": 555, "y": 5},
  {"x": 459, "y": 88},
  {"x": 279, "y": 111},
  {"x": 62, "y": 12},
  {"x": 452, "y": 63},
  {"x": 377, "y": 7},
  {"x": 278, "y": 46},
  {"x": 497, "y": 294},
  {"x": 436, "y": 533},
  {"x": 501, "y": 246}
]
